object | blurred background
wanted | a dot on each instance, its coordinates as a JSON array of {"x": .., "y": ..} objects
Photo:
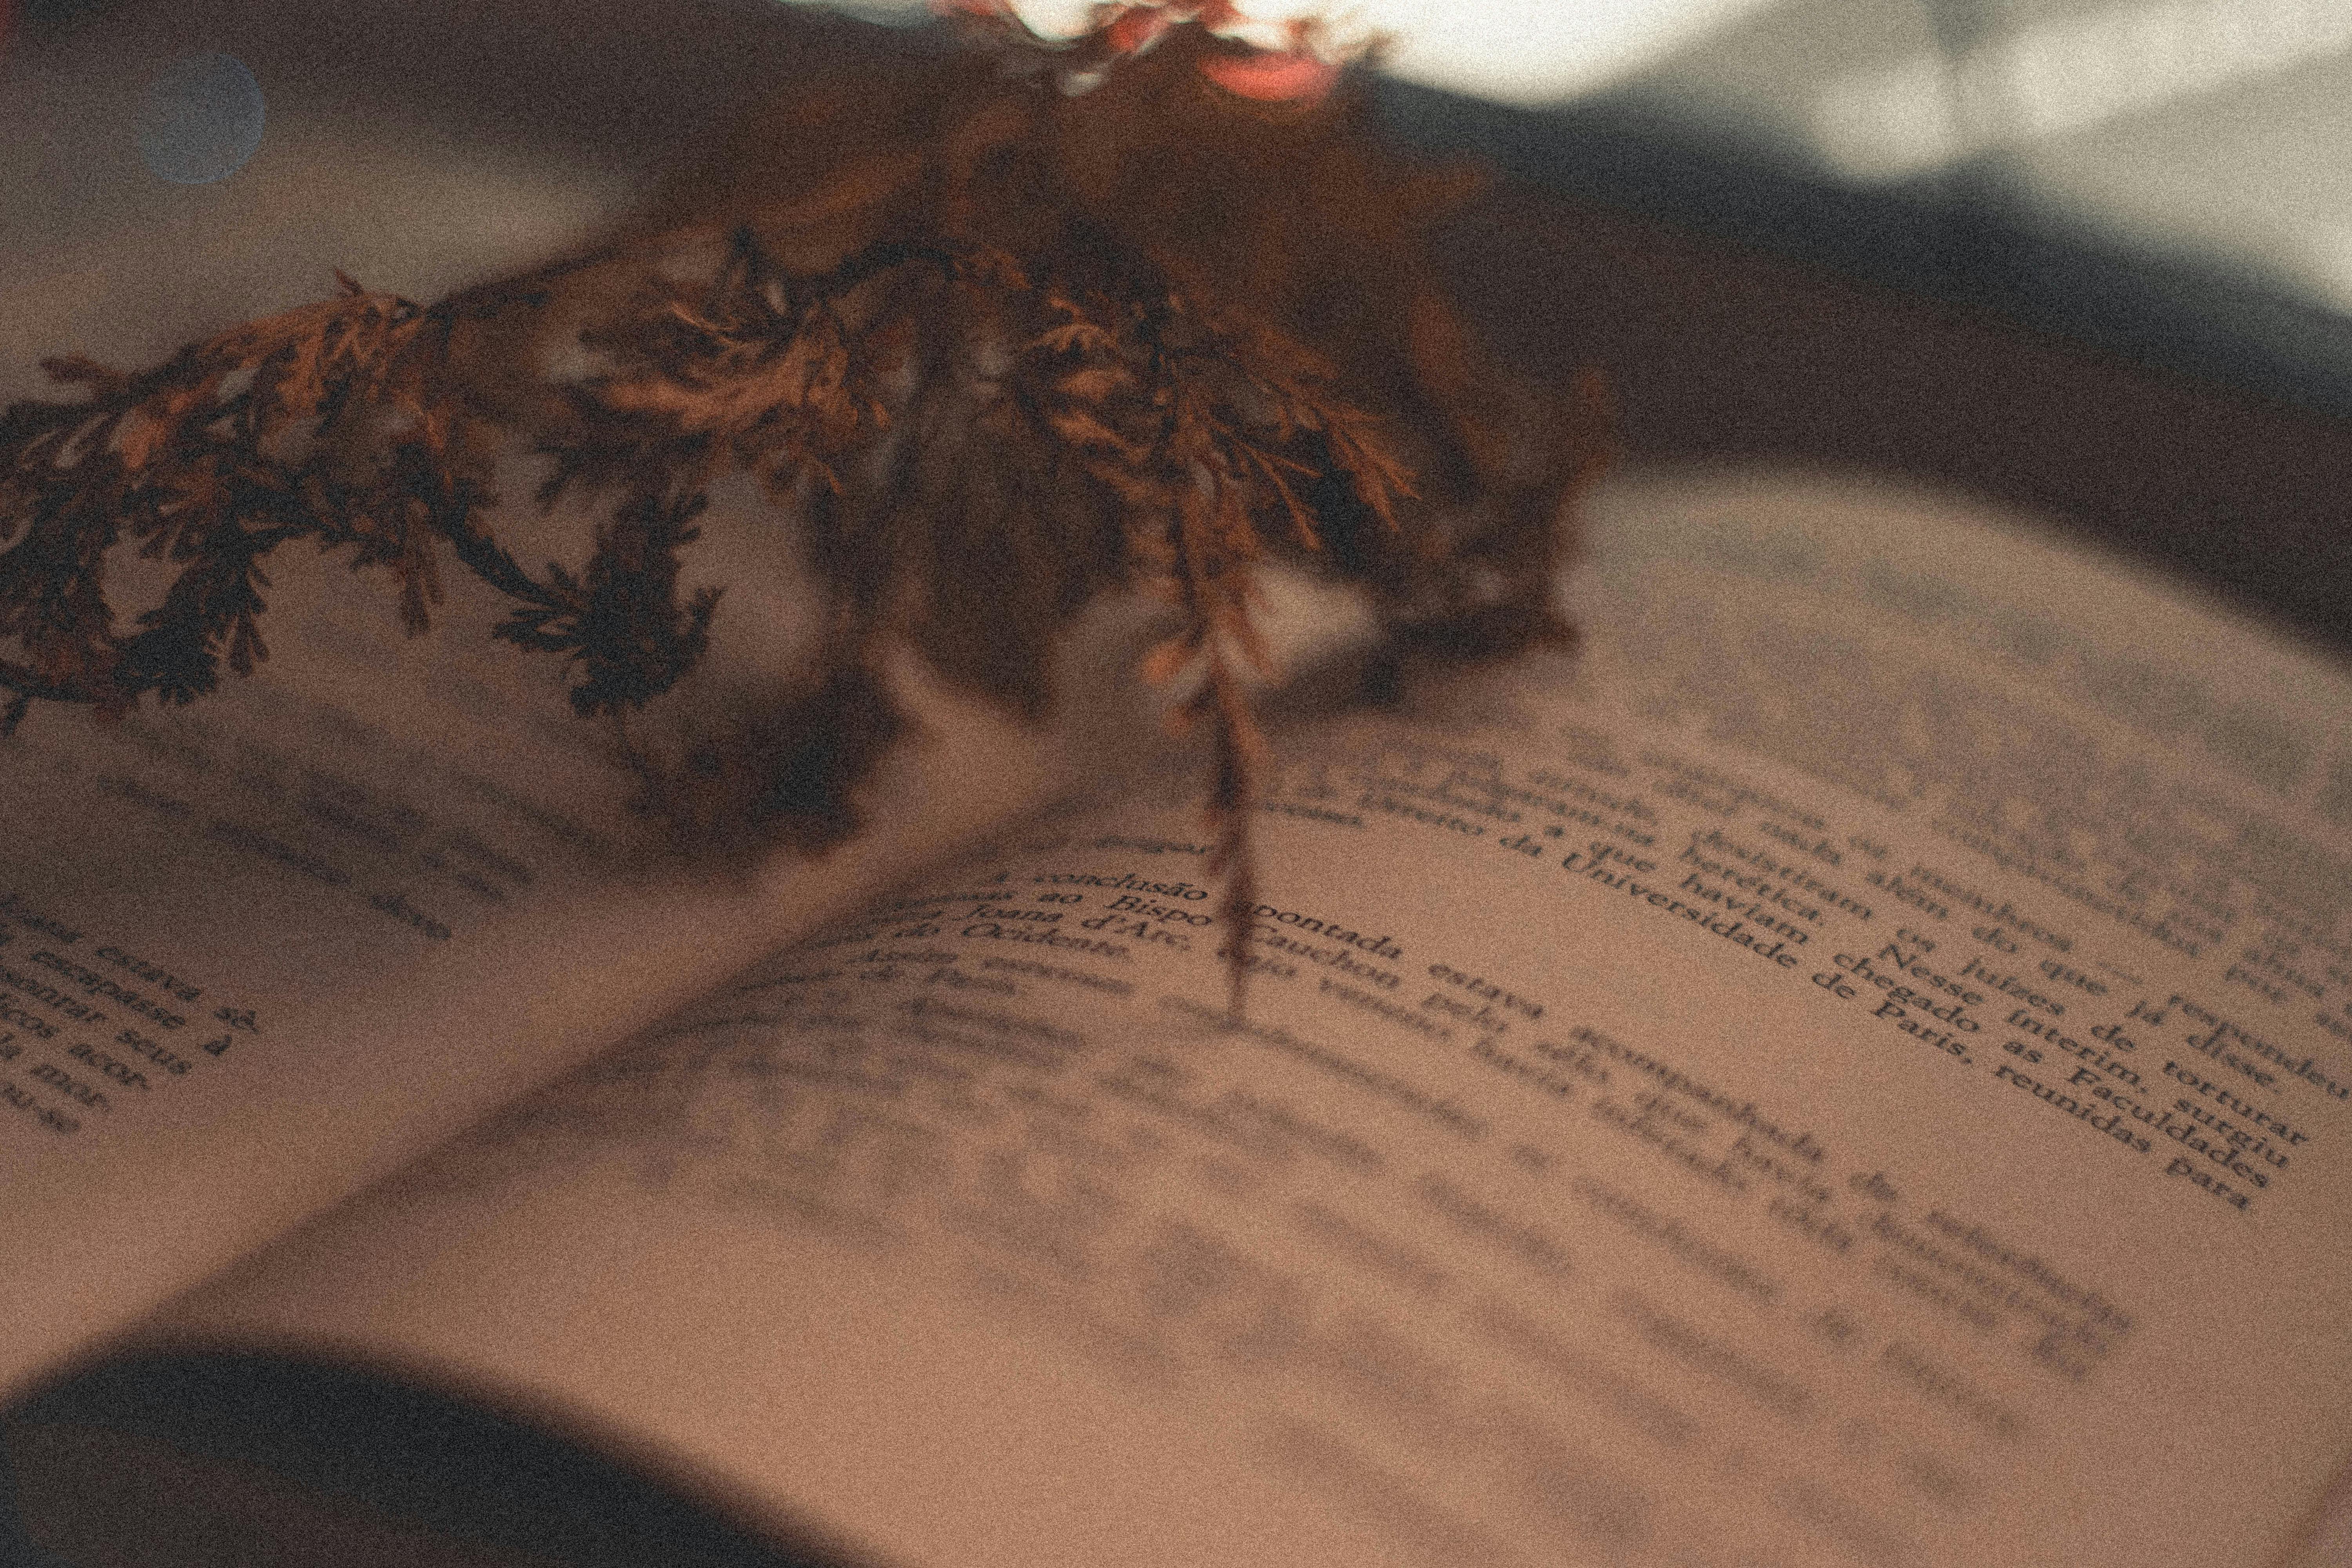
[
  {"x": 2215, "y": 135},
  {"x": 2089, "y": 259}
]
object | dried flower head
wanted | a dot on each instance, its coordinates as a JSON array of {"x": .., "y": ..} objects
[{"x": 1008, "y": 330}]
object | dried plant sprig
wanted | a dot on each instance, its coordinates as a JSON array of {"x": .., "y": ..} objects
[{"x": 1149, "y": 308}]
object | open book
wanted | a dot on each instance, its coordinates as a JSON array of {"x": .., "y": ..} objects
[{"x": 1855, "y": 1066}]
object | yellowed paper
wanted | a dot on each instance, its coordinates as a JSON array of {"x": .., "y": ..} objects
[
  {"x": 256, "y": 955},
  {"x": 1853, "y": 1070}
]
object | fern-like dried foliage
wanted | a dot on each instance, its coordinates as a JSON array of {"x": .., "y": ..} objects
[{"x": 1009, "y": 330}]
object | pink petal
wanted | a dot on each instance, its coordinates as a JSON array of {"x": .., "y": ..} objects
[
  {"x": 1272, "y": 78},
  {"x": 1135, "y": 28}
]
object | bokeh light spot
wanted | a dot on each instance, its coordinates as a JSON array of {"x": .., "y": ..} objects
[{"x": 201, "y": 119}]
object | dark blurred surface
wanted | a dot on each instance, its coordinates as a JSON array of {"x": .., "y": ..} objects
[
  {"x": 228, "y": 1461},
  {"x": 1742, "y": 315}
]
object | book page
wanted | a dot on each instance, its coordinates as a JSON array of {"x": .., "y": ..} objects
[
  {"x": 255, "y": 953},
  {"x": 1851, "y": 1068}
]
